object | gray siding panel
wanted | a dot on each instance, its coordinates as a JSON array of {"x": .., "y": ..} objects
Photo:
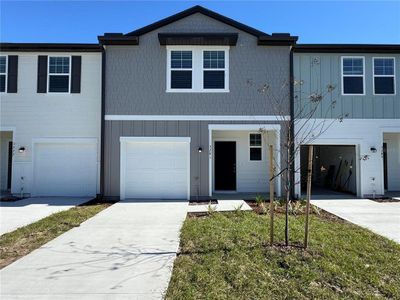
[
  {"x": 316, "y": 77},
  {"x": 197, "y": 130},
  {"x": 136, "y": 76}
]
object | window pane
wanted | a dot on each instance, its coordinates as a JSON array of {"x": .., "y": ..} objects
[
  {"x": 214, "y": 80},
  {"x": 59, "y": 84},
  {"x": 59, "y": 65},
  {"x": 2, "y": 64},
  {"x": 353, "y": 85},
  {"x": 181, "y": 79},
  {"x": 255, "y": 139},
  {"x": 181, "y": 59},
  {"x": 255, "y": 153},
  {"x": 353, "y": 66},
  {"x": 384, "y": 85},
  {"x": 384, "y": 66},
  {"x": 2, "y": 83},
  {"x": 214, "y": 60}
]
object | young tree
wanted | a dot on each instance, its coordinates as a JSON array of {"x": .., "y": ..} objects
[{"x": 302, "y": 128}]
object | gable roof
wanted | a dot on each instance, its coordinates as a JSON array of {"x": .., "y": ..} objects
[
  {"x": 194, "y": 10},
  {"x": 132, "y": 38}
]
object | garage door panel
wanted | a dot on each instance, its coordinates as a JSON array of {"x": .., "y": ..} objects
[
  {"x": 155, "y": 170},
  {"x": 65, "y": 169}
]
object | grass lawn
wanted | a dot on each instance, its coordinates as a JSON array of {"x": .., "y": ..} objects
[
  {"x": 225, "y": 256},
  {"x": 24, "y": 240}
]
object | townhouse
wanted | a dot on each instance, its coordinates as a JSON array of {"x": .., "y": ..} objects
[
  {"x": 188, "y": 107},
  {"x": 358, "y": 149}
]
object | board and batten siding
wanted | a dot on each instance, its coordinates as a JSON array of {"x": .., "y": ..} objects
[
  {"x": 196, "y": 130},
  {"x": 136, "y": 76},
  {"x": 318, "y": 70}
]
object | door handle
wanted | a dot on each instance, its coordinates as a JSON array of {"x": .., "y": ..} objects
[{"x": 234, "y": 168}]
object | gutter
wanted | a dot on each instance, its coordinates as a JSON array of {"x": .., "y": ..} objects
[
  {"x": 292, "y": 131},
  {"x": 103, "y": 98}
]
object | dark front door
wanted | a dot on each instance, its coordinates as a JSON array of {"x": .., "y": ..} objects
[
  {"x": 9, "y": 170},
  {"x": 225, "y": 166},
  {"x": 385, "y": 166}
]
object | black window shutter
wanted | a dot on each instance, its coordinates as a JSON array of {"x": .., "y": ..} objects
[
  {"x": 42, "y": 74},
  {"x": 12, "y": 72},
  {"x": 76, "y": 74}
]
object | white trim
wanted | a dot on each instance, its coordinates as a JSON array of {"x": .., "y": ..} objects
[
  {"x": 6, "y": 75},
  {"x": 152, "y": 139},
  {"x": 126, "y": 139},
  {"x": 59, "y": 74},
  {"x": 197, "y": 68},
  {"x": 343, "y": 75},
  {"x": 249, "y": 127},
  {"x": 393, "y": 76},
  {"x": 195, "y": 118}
]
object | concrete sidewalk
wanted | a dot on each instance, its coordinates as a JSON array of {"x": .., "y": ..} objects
[
  {"x": 381, "y": 218},
  {"x": 124, "y": 252},
  {"x": 26, "y": 211}
]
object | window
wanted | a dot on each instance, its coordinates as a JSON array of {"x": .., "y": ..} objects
[
  {"x": 353, "y": 75},
  {"x": 198, "y": 69},
  {"x": 214, "y": 70},
  {"x": 59, "y": 74},
  {"x": 384, "y": 77},
  {"x": 181, "y": 69},
  {"x": 255, "y": 146},
  {"x": 3, "y": 73}
]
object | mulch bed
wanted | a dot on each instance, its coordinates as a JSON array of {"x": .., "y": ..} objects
[
  {"x": 385, "y": 200},
  {"x": 203, "y": 202}
]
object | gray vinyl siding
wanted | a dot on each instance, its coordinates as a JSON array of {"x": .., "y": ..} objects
[
  {"x": 136, "y": 76},
  {"x": 316, "y": 76},
  {"x": 196, "y": 130}
]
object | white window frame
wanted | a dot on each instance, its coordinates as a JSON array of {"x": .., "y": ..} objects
[
  {"x": 261, "y": 147},
  {"x": 394, "y": 75},
  {"x": 6, "y": 75},
  {"x": 197, "y": 68},
  {"x": 59, "y": 74},
  {"x": 346, "y": 75}
]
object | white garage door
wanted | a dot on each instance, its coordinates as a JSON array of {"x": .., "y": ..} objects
[
  {"x": 155, "y": 167},
  {"x": 65, "y": 169}
]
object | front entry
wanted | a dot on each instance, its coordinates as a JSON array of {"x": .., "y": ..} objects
[{"x": 225, "y": 166}]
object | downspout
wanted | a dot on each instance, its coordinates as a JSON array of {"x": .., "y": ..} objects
[
  {"x": 292, "y": 131},
  {"x": 102, "y": 124}
]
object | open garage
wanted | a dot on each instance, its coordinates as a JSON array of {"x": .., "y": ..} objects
[{"x": 334, "y": 169}]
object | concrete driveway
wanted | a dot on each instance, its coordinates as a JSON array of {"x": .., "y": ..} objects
[
  {"x": 26, "y": 211},
  {"x": 124, "y": 252},
  {"x": 381, "y": 218}
]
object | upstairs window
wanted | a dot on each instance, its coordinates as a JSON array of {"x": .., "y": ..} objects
[
  {"x": 3, "y": 73},
  {"x": 181, "y": 69},
  {"x": 59, "y": 74},
  {"x": 353, "y": 76},
  {"x": 255, "y": 146},
  {"x": 197, "y": 69},
  {"x": 214, "y": 70},
  {"x": 384, "y": 77}
]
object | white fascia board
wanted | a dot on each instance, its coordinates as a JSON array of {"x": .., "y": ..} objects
[
  {"x": 194, "y": 118},
  {"x": 250, "y": 127}
]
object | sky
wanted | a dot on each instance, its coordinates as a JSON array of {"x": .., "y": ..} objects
[{"x": 373, "y": 22}]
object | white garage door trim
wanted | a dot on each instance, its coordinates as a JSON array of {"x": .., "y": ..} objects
[
  {"x": 124, "y": 140},
  {"x": 58, "y": 140}
]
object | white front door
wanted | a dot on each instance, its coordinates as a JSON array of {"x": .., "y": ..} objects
[
  {"x": 155, "y": 167},
  {"x": 65, "y": 169}
]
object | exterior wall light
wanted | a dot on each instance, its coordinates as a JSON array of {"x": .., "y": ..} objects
[
  {"x": 21, "y": 149},
  {"x": 373, "y": 149},
  {"x": 200, "y": 149}
]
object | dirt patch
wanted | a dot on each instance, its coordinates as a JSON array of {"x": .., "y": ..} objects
[
  {"x": 385, "y": 200},
  {"x": 203, "y": 202}
]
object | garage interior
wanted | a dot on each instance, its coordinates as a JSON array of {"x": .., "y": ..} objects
[{"x": 334, "y": 170}]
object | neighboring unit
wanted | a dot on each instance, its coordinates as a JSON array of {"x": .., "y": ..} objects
[
  {"x": 184, "y": 115},
  {"x": 361, "y": 154},
  {"x": 50, "y": 119}
]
